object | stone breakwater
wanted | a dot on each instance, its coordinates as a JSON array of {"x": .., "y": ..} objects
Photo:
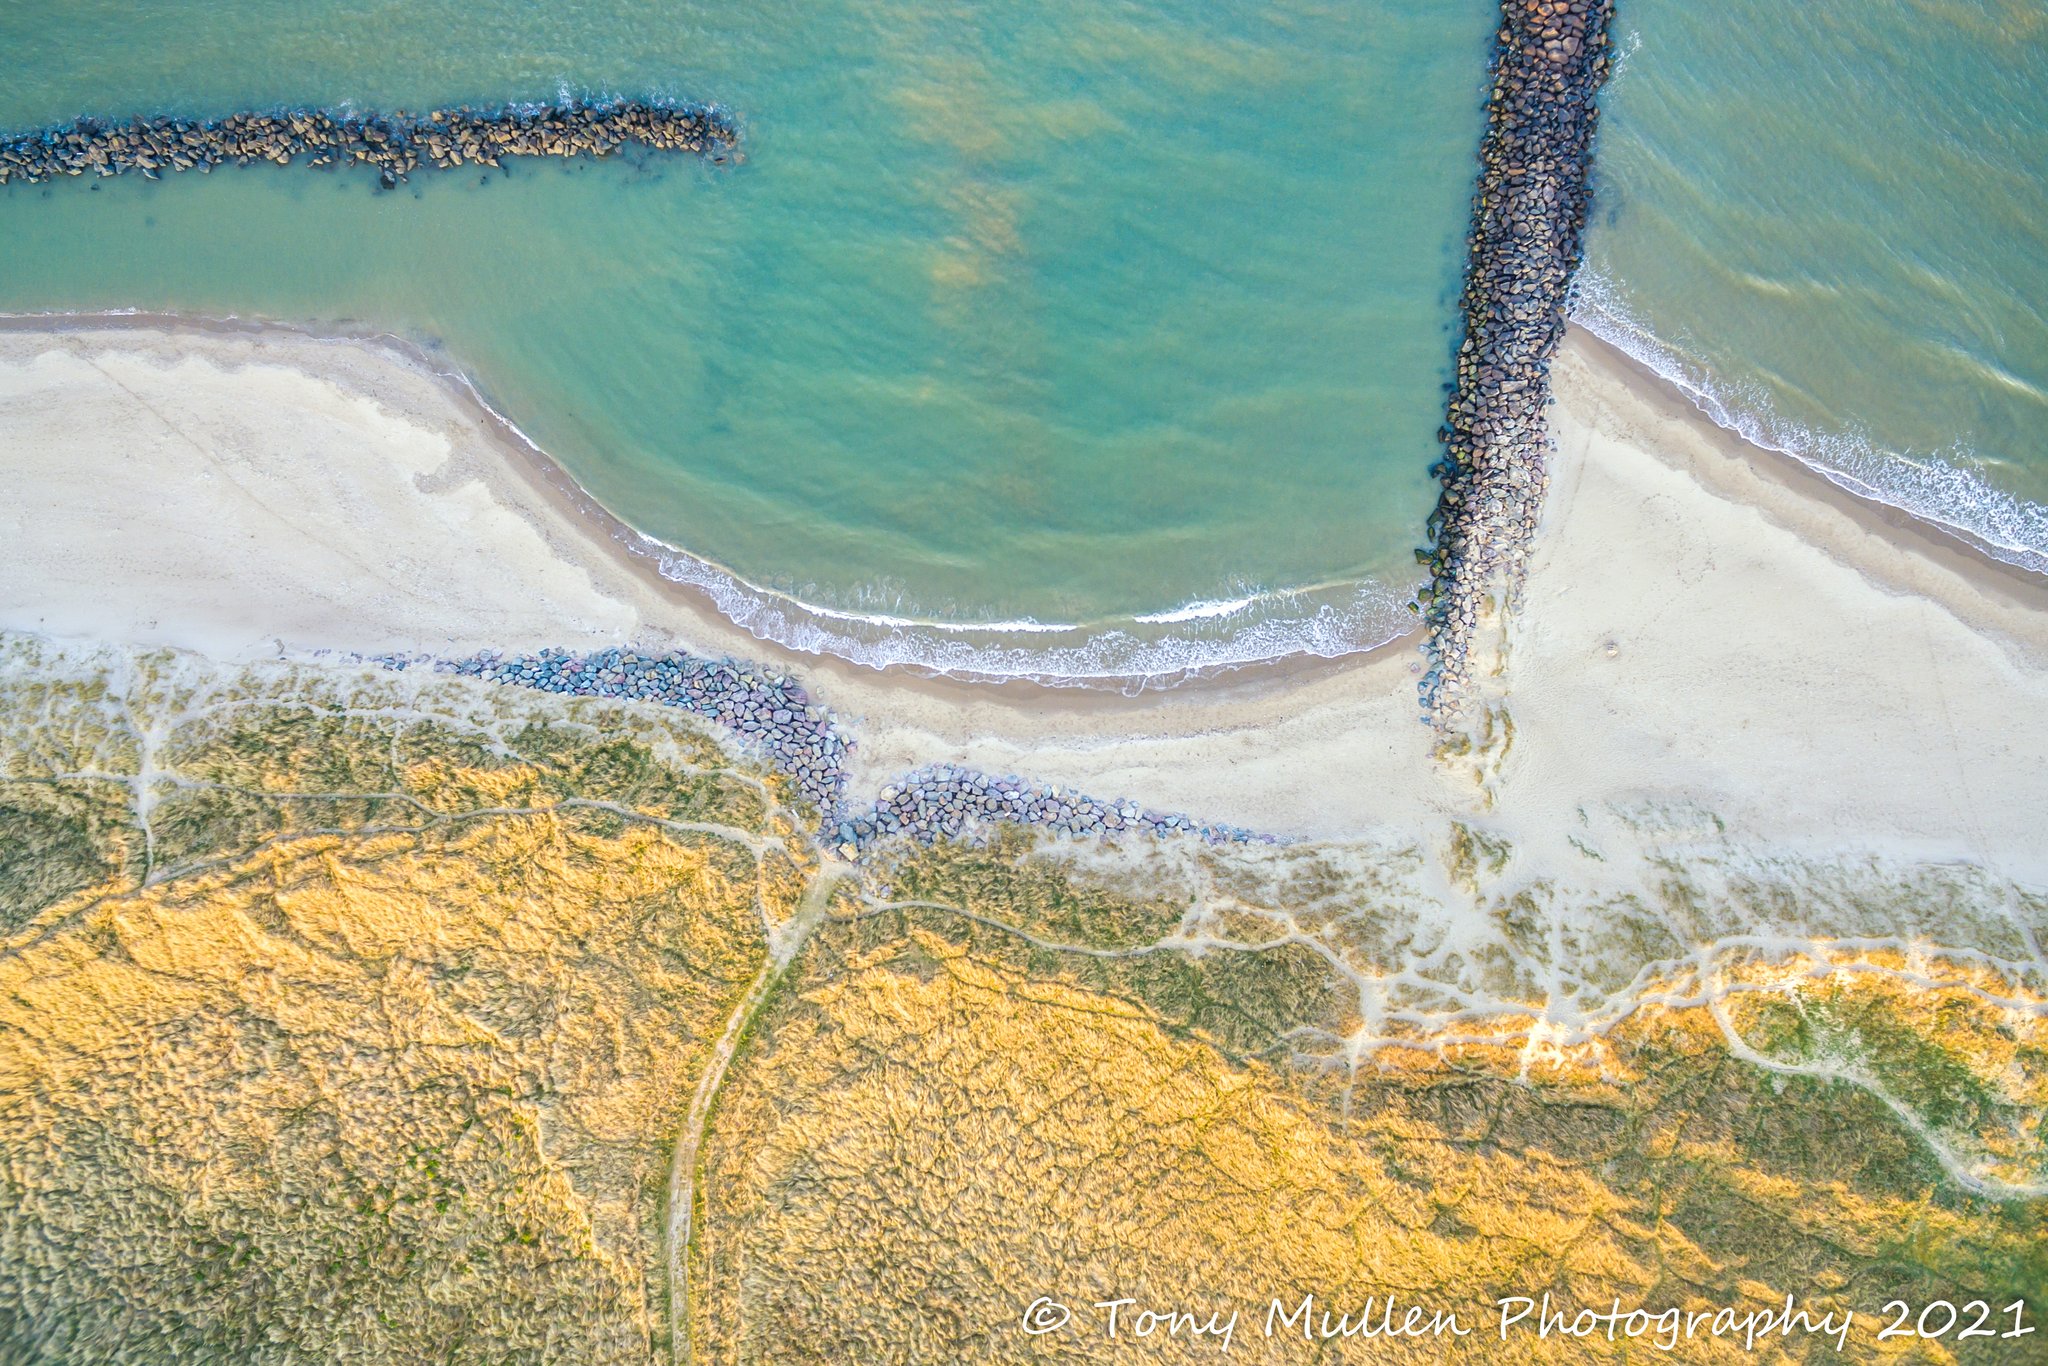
[
  {"x": 393, "y": 144},
  {"x": 1550, "y": 59},
  {"x": 948, "y": 801},
  {"x": 777, "y": 718}
]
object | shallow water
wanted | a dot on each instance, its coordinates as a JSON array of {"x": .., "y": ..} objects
[
  {"x": 1053, "y": 311},
  {"x": 1830, "y": 219}
]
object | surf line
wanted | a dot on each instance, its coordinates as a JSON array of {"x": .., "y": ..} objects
[
  {"x": 393, "y": 144},
  {"x": 1550, "y": 59}
]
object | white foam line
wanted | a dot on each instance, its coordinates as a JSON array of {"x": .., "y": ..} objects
[
  {"x": 1358, "y": 618},
  {"x": 1931, "y": 489},
  {"x": 1199, "y": 610}
]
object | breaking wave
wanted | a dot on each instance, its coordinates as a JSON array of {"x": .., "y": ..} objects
[
  {"x": 1129, "y": 654},
  {"x": 1937, "y": 490}
]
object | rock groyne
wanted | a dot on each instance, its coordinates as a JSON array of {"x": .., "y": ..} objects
[
  {"x": 393, "y": 144},
  {"x": 1550, "y": 59}
]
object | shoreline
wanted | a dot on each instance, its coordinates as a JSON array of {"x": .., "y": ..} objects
[
  {"x": 251, "y": 492},
  {"x": 1952, "y": 547},
  {"x": 1940, "y": 542},
  {"x": 896, "y": 646},
  {"x": 1656, "y": 361}
]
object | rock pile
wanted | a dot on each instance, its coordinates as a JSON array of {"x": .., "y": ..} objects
[
  {"x": 771, "y": 713},
  {"x": 776, "y": 717},
  {"x": 948, "y": 801},
  {"x": 395, "y": 144},
  {"x": 1550, "y": 60}
]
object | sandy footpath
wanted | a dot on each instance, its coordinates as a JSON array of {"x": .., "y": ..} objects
[{"x": 1706, "y": 625}]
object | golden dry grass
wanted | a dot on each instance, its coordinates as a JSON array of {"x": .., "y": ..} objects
[
  {"x": 400, "y": 1096},
  {"x": 926, "y": 1138},
  {"x": 367, "y": 1035}
]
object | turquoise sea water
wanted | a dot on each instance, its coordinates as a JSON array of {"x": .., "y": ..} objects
[
  {"x": 1039, "y": 312},
  {"x": 1829, "y": 219}
]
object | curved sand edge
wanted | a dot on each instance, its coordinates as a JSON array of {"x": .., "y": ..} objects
[{"x": 1704, "y": 625}]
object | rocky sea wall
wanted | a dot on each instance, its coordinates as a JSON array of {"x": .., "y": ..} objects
[
  {"x": 393, "y": 144},
  {"x": 1551, "y": 58},
  {"x": 777, "y": 718}
]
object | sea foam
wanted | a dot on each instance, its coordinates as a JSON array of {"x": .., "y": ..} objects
[
  {"x": 1129, "y": 654},
  {"x": 1935, "y": 488}
]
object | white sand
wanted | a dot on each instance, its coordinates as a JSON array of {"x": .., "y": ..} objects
[{"x": 1703, "y": 628}]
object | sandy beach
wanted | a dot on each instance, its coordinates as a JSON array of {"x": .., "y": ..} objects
[{"x": 1706, "y": 626}]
